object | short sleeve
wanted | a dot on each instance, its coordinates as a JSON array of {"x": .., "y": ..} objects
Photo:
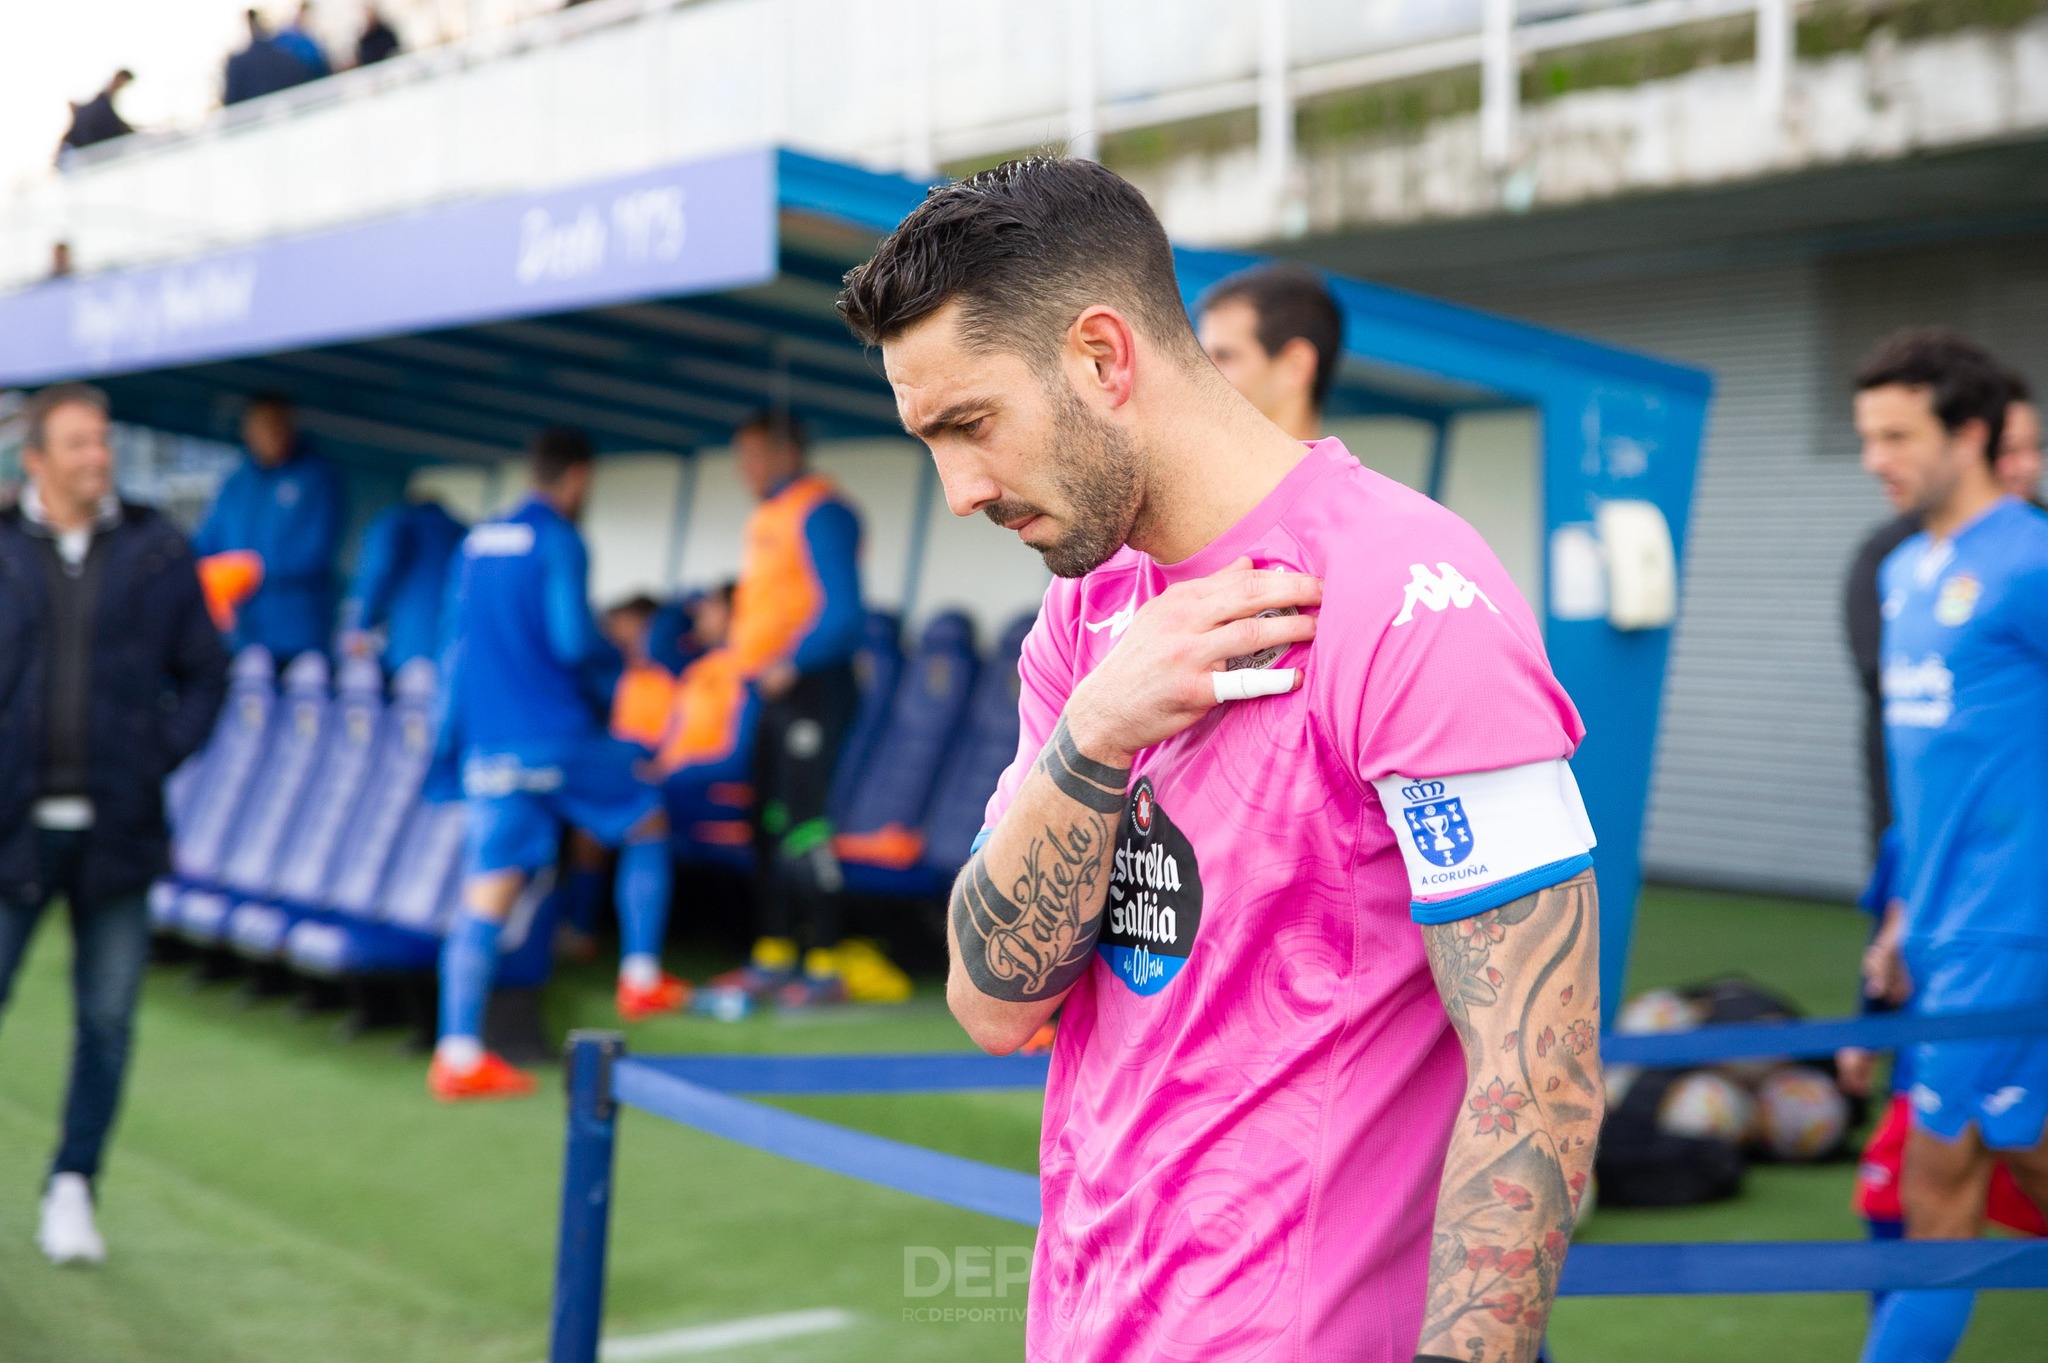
[
  {"x": 1045, "y": 676},
  {"x": 1457, "y": 724}
]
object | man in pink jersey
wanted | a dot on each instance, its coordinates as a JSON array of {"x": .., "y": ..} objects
[{"x": 1284, "y": 1122}]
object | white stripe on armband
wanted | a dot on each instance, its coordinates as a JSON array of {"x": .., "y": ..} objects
[{"x": 1476, "y": 841}]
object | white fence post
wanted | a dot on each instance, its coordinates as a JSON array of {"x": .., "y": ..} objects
[
  {"x": 1084, "y": 139},
  {"x": 1276, "y": 100},
  {"x": 1499, "y": 83},
  {"x": 918, "y": 158},
  {"x": 1774, "y": 38}
]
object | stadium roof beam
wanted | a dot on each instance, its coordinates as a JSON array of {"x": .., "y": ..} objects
[{"x": 659, "y": 308}]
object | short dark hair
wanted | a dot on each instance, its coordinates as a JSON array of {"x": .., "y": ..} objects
[
  {"x": 1024, "y": 248},
  {"x": 782, "y": 426},
  {"x": 1292, "y": 302},
  {"x": 1964, "y": 382},
  {"x": 273, "y": 399},
  {"x": 35, "y": 413},
  {"x": 555, "y": 451},
  {"x": 2016, "y": 388},
  {"x": 638, "y": 604}
]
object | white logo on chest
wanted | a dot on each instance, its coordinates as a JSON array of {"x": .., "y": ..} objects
[{"x": 1117, "y": 623}]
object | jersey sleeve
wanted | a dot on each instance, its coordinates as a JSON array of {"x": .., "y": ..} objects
[
  {"x": 1045, "y": 677},
  {"x": 1447, "y": 709},
  {"x": 832, "y": 533}
]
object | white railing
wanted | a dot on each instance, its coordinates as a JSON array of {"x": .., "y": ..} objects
[{"x": 618, "y": 85}]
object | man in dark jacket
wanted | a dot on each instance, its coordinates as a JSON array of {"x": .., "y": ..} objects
[{"x": 111, "y": 674}]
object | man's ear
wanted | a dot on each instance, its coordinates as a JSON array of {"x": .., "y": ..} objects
[
  {"x": 1298, "y": 360},
  {"x": 1102, "y": 354}
]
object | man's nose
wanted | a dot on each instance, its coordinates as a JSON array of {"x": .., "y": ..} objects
[{"x": 967, "y": 491}]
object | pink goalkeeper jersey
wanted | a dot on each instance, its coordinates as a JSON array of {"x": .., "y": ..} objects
[{"x": 1254, "y": 1083}]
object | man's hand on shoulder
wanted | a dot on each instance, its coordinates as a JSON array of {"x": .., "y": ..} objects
[{"x": 1159, "y": 679}]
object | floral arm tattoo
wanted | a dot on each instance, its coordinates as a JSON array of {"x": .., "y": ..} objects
[
  {"x": 1025, "y": 928},
  {"x": 1522, "y": 986}
]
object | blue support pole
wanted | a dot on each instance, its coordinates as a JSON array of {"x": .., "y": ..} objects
[
  {"x": 1439, "y": 460},
  {"x": 586, "y": 1197}
]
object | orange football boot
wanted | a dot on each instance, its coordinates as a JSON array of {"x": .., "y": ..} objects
[
  {"x": 493, "y": 1077},
  {"x": 666, "y": 995}
]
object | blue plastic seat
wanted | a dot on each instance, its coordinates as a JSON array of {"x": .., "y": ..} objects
[
  {"x": 422, "y": 895},
  {"x": 987, "y": 746},
  {"x": 894, "y": 788},
  {"x": 419, "y": 894},
  {"x": 298, "y": 731},
  {"x": 203, "y": 804},
  {"x": 340, "y": 774},
  {"x": 981, "y": 750},
  {"x": 877, "y": 667}
]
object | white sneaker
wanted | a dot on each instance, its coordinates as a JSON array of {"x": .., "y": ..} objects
[{"x": 68, "y": 1234}]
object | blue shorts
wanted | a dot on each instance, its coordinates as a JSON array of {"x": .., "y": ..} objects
[
  {"x": 2000, "y": 1083},
  {"x": 517, "y": 799}
]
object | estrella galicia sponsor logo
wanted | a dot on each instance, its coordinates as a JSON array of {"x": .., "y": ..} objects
[
  {"x": 1155, "y": 897},
  {"x": 1437, "y": 823}
]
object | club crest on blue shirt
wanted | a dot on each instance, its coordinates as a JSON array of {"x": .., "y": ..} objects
[
  {"x": 1958, "y": 600},
  {"x": 1437, "y": 823}
]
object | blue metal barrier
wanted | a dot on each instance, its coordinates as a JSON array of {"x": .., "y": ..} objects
[{"x": 697, "y": 1091}]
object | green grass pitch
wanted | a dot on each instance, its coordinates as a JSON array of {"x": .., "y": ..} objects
[{"x": 277, "y": 1194}]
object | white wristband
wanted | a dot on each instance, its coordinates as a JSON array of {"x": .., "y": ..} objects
[{"x": 1249, "y": 683}]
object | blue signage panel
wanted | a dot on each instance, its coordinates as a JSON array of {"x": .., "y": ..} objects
[{"x": 692, "y": 228}]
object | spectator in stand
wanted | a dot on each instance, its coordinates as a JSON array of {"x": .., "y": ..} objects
[
  {"x": 110, "y": 676},
  {"x": 297, "y": 39},
  {"x": 264, "y": 67},
  {"x": 278, "y": 518},
  {"x": 97, "y": 120},
  {"x": 401, "y": 582},
  {"x": 378, "y": 40}
]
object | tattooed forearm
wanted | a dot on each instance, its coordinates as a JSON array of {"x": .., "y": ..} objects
[
  {"x": 1091, "y": 784},
  {"x": 1521, "y": 984},
  {"x": 1025, "y": 926}
]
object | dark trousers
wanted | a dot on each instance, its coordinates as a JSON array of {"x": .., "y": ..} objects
[
  {"x": 110, "y": 948},
  {"x": 797, "y": 744}
]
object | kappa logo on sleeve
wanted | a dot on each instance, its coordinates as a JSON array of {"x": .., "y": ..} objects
[
  {"x": 1155, "y": 897},
  {"x": 1440, "y": 590}
]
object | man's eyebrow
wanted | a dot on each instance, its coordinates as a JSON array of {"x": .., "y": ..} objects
[{"x": 947, "y": 417}]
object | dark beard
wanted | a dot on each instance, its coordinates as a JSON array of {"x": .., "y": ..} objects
[{"x": 1095, "y": 469}]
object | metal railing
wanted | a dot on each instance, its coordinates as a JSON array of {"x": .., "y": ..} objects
[{"x": 615, "y": 85}]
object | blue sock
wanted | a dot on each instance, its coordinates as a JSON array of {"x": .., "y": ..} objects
[
  {"x": 642, "y": 893},
  {"x": 580, "y": 893},
  {"x": 469, "y": 958},
  {"x": 1918, "y": 1327},
  {"x": 1883, "y": 1230}
]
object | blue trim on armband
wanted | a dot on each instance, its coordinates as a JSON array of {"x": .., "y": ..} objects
[
  {"x": 1506, "y": 891},
  {"x": 981, "y": 840}
]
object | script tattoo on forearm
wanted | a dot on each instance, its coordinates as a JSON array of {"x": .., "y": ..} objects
[
  {"x": 1521, "y": 984},
  {"x": 1034, "y": 941}
]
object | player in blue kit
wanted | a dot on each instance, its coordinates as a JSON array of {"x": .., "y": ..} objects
[
  {"x": 528, "y": 682},
  {"x": 1965, "y": 686}
]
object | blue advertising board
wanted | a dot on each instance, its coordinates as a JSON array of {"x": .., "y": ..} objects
[{"x": 691, "y": 228}]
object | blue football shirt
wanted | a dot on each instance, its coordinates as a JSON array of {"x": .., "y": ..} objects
[{"x": 1966, "y": 727}]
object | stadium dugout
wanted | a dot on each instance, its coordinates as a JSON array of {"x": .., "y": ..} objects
[{"x": 658, "y": 310}]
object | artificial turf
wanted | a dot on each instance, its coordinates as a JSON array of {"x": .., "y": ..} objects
[{"x": 276, "y": 1192}]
